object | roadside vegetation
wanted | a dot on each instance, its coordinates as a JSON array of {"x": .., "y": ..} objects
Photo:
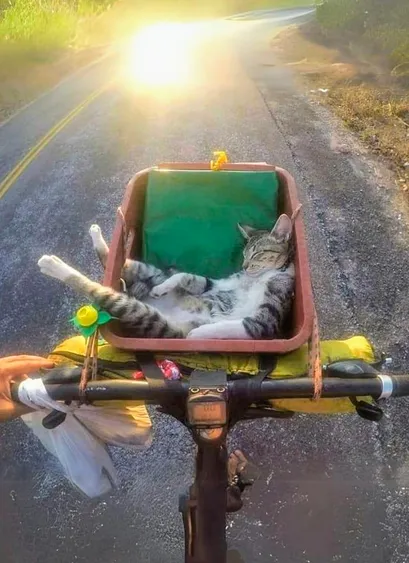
[
  {"x": 382, "y": 26},
  {"x": 38, "y": 46},
  {"x": 355, "y": 57},
  {"x": 43, "y": 27}
]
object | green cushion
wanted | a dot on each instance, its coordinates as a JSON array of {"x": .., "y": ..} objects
[{"x": 191, "y": 218}]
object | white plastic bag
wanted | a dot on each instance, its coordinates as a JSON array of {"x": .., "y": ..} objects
[
  {"x": 84, "y": 459},
  {"x": 79, "y": 441}
]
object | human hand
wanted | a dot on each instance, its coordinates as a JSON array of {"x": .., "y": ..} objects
[{"x": 15, "y": 369}]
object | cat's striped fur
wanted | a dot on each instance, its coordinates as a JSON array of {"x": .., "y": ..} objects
[{"x": 251, "y": 304}]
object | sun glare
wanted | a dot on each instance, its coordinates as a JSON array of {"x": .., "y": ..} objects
[{"x": 161, "y": 55}]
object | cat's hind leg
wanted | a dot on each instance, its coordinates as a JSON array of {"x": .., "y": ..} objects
[
  {"x": 143, "y": 320},
  {"x": 54, "y": 267},
  {"x": 99, "y": 244}
]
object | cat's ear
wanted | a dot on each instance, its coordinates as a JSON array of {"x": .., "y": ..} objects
[
  {"x": 283, "y": 228},
  {"x": 246, "y": 231}
]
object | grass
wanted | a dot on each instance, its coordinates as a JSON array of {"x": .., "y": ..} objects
[
  {"x": 37, "y": 40},
  {"x": 382, "y": 25},
  {"x": 379, "y": 111},
  {"x": 365, "y": 96},
  {"x": 41, "y": 28},
  {"x": 27, "y": 27},
  {"x": 378, "y": 116}
]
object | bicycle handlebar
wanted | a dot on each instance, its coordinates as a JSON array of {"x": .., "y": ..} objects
[{"x": 377, "y": 386}]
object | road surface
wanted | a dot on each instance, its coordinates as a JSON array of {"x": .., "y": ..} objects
[{"x": 331, "y": 489}]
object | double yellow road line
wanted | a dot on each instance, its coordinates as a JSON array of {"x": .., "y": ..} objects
[{"x": 13, "y": 176}]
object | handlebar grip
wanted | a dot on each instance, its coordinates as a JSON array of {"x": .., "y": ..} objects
[
  {"x": 53, "y": 376},
  {"x": 400, "y": 386}
]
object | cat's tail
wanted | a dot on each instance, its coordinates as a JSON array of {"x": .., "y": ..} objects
[{"x": 140, "y": 319}]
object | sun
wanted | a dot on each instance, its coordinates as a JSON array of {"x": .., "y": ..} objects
[{"x": 161, "y": 55}]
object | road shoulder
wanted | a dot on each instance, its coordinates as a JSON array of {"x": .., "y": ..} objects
[{"x": 358, "y": 88}]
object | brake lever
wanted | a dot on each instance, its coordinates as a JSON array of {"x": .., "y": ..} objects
[
  {"x": 55, "y": 376},
  {"x": 357, "y": 368}
]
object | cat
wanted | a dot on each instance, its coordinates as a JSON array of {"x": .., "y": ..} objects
[{"x": 251, "y": 304}]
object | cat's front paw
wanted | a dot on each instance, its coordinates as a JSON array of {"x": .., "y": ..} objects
[
  {"x": 54, "y": 267},
  {"x": 160, "y": 290}
]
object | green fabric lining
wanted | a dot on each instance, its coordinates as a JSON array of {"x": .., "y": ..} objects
[{"x": 191, "y": 218}]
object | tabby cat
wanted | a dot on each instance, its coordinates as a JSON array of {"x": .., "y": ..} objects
[{"x": 251, "y": 304}]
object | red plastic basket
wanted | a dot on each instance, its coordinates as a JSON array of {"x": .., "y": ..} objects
[{"x": 128, "y": 229}]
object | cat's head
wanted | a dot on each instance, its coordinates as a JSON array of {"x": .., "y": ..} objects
[{"x": 267, "y": 249}]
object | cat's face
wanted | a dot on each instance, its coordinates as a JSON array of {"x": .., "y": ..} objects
[{"x": 267, "y": 249}]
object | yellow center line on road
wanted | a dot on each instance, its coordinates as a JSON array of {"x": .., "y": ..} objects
[{"x": 13, "y": 176}]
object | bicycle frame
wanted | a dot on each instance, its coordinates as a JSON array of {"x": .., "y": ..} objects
[
  {"x": 204, "y": 510},
  {"x": 205, "y": 507},
  {"x": 206, "y": 414}
]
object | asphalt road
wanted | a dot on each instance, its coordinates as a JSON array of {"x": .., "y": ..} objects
[{"x": 331, "y": 489}]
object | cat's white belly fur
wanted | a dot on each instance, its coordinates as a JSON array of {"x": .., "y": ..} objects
[
  {"x": 249, "y": 294},
  {"x": 249, "y": 299},
  {"x": 169, "y": 305}
]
